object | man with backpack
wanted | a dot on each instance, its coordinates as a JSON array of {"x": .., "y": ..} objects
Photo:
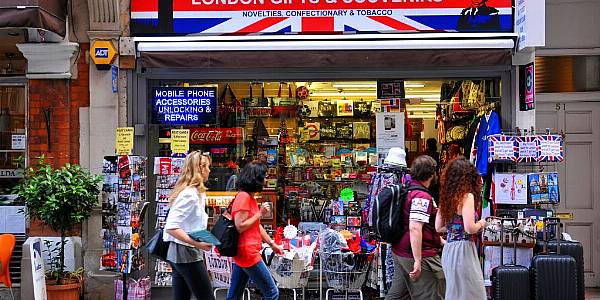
[{"x": 418, "y": 270}]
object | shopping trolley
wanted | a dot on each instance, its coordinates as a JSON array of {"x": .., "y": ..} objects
[
  {"x": 220, "y": 269},
  {"x": 345, "y": 271},
  {"x": 292, "y": 274}
]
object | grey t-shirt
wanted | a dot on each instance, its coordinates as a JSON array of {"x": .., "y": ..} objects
[{"x": 180, "y": 254}]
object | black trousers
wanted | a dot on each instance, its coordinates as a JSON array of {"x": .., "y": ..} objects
[{"x": 191, "y": 278}]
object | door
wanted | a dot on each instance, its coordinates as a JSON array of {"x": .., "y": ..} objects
[{"x": 578, "y": 116}]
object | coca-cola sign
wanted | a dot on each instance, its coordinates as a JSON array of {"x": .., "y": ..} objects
[{"x": 220, "y": 136}]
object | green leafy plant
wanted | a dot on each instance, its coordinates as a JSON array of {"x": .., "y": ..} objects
[{"x": 60, "y": 198}]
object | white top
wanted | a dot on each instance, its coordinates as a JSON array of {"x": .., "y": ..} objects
[{"x": 188, "y": 213}]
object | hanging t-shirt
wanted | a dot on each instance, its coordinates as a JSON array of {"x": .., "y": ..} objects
[
  {"x": 488, "y": 125},
  {"x": 250, "y": 241}
]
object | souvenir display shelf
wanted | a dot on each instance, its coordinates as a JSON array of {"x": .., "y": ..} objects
[
  {"x": 123, "y": 207},
  {"x": 217, "y": 202},
  {"x": 524, "y": 187},
  {"x": 333, "y": 150}
]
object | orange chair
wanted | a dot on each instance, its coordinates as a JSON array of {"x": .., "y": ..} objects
[{"x": 7, "y": 244}]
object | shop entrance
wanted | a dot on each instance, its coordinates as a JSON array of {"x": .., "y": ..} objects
[{"x": 578, "y": 116}]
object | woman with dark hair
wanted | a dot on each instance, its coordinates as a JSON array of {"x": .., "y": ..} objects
[
  {"x": 246, "y": 214},
  {"x": 460, "y": 199}
]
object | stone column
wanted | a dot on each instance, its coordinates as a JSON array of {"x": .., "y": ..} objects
[{"x": 98, "y": 124}]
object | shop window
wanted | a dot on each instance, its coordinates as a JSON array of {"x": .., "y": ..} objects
[
  {"x": 563, "y": 74},
  {"x": 13, "y": 140}
]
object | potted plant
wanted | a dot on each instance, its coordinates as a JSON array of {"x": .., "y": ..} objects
[{"x": 60, "y": 198}]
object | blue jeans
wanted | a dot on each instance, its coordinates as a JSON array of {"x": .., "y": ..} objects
[{"x": 260, "y": 276}]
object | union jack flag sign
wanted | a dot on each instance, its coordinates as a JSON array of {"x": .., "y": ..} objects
[
  {"x": 550, "y": 148},
  {"x": 527, "y": 149},
  {"x": 502, "y": 148},
  {"x": 243, "y": 17}
]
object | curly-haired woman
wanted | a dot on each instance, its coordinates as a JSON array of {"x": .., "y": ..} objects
[{"x": 460, "y": 198}]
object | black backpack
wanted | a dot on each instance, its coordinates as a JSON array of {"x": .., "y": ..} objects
[{"x": 388, "y": 211}]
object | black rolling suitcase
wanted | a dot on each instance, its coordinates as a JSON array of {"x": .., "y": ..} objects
[
  {"x": 510, "y": 281},
  {"x": 553, "y": 275},
  {"x": 574, "y": 249}
]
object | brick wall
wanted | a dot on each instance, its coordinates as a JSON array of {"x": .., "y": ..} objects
[{"x": 62, "y": 98}]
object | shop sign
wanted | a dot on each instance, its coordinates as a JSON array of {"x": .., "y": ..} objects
[
  {"x": 124, "y": 140},
  {"x": 103, "y": 53},
  {"x": 219, "y": 136},
  {"x": 180, "y": 141},
  {"x": 242, "y": 17},
  {"x": 530, "y": 23},
  {"x": 11, "y": 173},
  {"x": 527, "y": 87},
  {"x": 184, "y": 105}
]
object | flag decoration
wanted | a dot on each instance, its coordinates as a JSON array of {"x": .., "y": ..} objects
[
  {"x": 502, "y": 148},
  {"x": 244, "y": 17},
  {"x": 527, "y": 148},
  {"x": 550, "y": 148}
]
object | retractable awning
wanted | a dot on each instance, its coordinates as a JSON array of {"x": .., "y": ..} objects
[
  {"x": 322, "y": 51},
  {"x": 44, "y": 14}
]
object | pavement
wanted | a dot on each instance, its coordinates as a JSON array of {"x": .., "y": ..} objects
[{"x": 164, "y": 293}]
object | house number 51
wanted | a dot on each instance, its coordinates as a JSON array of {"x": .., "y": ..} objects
[{"x": 564, "y": 106}]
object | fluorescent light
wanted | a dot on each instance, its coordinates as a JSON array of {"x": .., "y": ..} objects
[
  {"x": 414, "y": 85},
  {"x": 424, "y": 116},
  {"x": 431, "y": 99},
  {"x": 342, "y": 94},
  {"x": 354, "y": 85},
  {"x": 424, "y": 95},
  {"x": 421, "y": 108}
]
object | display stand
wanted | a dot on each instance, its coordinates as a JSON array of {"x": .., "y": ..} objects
[
  {"x": 522, "y": 184},
  {"x": 123, "y": 214},
  {"x": 167, "y": 170}
]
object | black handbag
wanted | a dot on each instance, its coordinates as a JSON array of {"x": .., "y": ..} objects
[
  {"x": 226, "y": 232},
  {"x": 157, "y": 247}
]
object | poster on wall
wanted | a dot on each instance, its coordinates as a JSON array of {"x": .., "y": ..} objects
[
  {"x": 210, "y": 17},
  {"x": 390, "y": 131},
  {"x": 527, "y": 87}
]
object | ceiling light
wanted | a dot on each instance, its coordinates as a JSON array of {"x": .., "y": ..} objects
[
  {"x": 423, "y": 95},
  {"x": 414, "y": 85},
  {"x": 354, "y": 85},
  {"x": 431, "y": 99},
  {"x": 420, "y": 108},
  {"x": 343, "y": 94}
]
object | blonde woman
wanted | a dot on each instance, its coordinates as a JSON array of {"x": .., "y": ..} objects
[{"x": 186, "y": 214}]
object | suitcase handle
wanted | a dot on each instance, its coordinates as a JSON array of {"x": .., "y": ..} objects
[
  {"x": 515, "y": 229},
  {"x": 552, "y": 221}
]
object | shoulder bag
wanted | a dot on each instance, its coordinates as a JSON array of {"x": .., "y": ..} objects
[
  {"x": 225, "y": 231},
  {"x": 156, "y": 246}
]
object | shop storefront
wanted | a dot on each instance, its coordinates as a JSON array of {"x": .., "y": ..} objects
[{"x": 320, "y": 92}]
